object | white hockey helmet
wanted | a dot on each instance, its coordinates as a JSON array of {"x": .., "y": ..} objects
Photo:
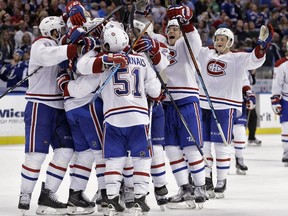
[
  {"x": 114, "y": 24},
  {"x": 140, "y": 26},
  {"x": 89, "y": 24},
  {"x": 114, "y": 39},
  {"x": 227, "y": 32},
  {"x": 173, "y": 22},
  {"x": 51, "y": 23}
]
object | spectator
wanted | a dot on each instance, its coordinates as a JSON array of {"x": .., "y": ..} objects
[
  {"x": 102, "y": 12},
  {"x": 158, "y": 12},
  {"x": 18, "y": 38},
  {"x": 6, "y": 47},
  {"x": 53, "y": 9}
]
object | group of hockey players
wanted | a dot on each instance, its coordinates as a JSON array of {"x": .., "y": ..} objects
[{"x": 118, "y": 100}]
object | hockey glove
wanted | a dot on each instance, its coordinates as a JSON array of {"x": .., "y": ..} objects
[
  {"x": 114, "y": 59},
  {"x": 276, "y": 104},
  {"x": 147, "y": 44},
  {"x": 88, "y": 43},
  {"x": 62, "y": 80},
  {"x": 183, "y": 13},
  {"x": 265, "y": 36},
  {"x": 75, "y": 34},
  {"x": 76, "y": 13},
  {"x": 250, "y": 100}
]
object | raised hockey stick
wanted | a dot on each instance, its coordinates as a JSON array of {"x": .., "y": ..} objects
[
  {"x": 20, "y": 82},
  {"x": 115, "y": 69},
  {"x": 202, "y": 83}
]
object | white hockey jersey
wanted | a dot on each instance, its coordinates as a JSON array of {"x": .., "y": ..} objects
[
  {"x": 181, "y": 72},
  {"x": 42, "y": 85},
  {"x": 223, "y": 76},
  {"x": 124, "y": 97},
  {"x": 280, "y": 79}
]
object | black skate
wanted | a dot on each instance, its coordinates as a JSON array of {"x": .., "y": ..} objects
[
  {"x": 200, "y": 195},
  {"x": 140, "y": 206},
  {"x": 241, "y": 168},
  {"x": 129, "y": 197},
  {"x": 184, "y": 198},
  {"x": 114, "y": 207},
  {"x": 79, "y": 204},
  {"x": 160, "y": 195},
  {"x": 209, "y": 187},
  {"x": 220, "y": 188},
  {"x": 48, "y": 203},
  {"x": 100, "y": 199},
  {"x": 24, "y": 202},
  {"x": 285, "y": 159}
]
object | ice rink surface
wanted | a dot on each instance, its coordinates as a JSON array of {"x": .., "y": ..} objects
[{"x": 262, "y": 192}]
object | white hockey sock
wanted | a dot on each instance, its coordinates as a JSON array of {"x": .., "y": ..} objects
[
  {"x": 158, "y": 168},
  {"x": 128, "y": 172},
  {"x": 178, "y": 164},
  {"x": 100, "y": 164},
  {"x": 31, "y": 171},
  {"x": 57, "y": 168},
  {"x": 284, "y": 136},
  {"x": 141, "y": 175},
  {"x": 222, "y": 160},
  {"x": 196, "y": 165},
  {"x": 82, "y": 170},
  {"x": 208, "y": 155},
  {"x": 239, "y": 140}
]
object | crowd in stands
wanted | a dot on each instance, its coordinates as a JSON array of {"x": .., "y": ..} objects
[{"x": 19, "y": 20}]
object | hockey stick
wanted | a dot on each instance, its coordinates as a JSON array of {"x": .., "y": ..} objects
[
  {"x": 115, "y": 69},
  {"x": 202, "y": 83},
  {"x": 20, "y": 82},
  {"x": 150, "y": 123}
]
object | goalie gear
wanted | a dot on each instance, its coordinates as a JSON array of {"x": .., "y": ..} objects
[
  {"x": 114, "y": 39},
  {"x": 48, "y": 24},
  {"x": 276, "y": 104},
  {"x": 228, "y": 33}
]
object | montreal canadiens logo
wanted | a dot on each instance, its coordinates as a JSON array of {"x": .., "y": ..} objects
[
  {"x": 172, "y": 57},
  {"x": 216, "y": 68}
]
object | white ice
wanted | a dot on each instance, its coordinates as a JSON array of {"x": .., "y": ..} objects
[{"x": 262, "y": 192}]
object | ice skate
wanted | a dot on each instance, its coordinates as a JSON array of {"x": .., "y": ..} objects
[
  {"x": 285, "y": 159},
  {"x": 209, "y": 187},
  {"x": 24, "y": 202},
  {"x": 100, "y": 199},
  {"x": 79, "y": 204},
  {"x": 184, "y": 198},
  {"x": 114, "y": 207},
  {"x": 200, "y": 195},
  {"x": 129, "y": 197},
  {"x": 140, "y": 206},
  {"x": 220, "y": 188},
  {"x": 255, "y": 142},
  {"x": 160, "y": 195},
  {"x": 48, "y": 203},
  {"x": 241, "y": 168}
]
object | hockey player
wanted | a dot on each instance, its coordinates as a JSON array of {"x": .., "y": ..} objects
[
  {"x": 279, "y": 100},
  {"x": 45, "y": 121},
  {"x": 239, "y": 128},
  {"x": 15, "y": 71},
  {"x": 126, "y": 117},
  {"x": 184, "y": 89},
  {"x": 223, "y": 72}
]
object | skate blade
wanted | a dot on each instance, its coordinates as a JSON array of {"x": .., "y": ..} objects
[
  {"x": 200, "y": 205},
  {"x": 240, "y": 172},
  {"x": 211, "y": 194},
  {"x": 189, "y": 204},
  {"x": 219, "y": 195},
  {"x": 162, "y": 207},
  {"x": 45, "y": 210},
  {"x": 112, "y": 212},
  {"x": 138, "y": 211},
  {"x": 73, "y": 210},
  {"x": 23, "y": 212},
  {"x": 286, "y": 164}
]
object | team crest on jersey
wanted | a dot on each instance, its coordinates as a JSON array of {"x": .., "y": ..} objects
[
  {"x": 216, "y": 68},
  {"x": 172, "y": 57}
]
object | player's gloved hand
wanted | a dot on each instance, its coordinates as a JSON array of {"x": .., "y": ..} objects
[
  {"x": 265, "y": 36},
  {"x": 114, "y": 59},
  {"x": 62, "y": 80},
  {"x": 76, "y": 13},
  {"x": 276, "y": 104},
  {"x": 183, "y": 13},
  {"x": 250, "y": 100},
  {"x": 75, "y": 34},
  {"x": 147, "y": 44},
  {"x": 88, "y": 43}
]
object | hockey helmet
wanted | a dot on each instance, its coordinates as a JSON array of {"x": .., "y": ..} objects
[
  {"x": 173, "y": 22},
  {"x": 141, "y": 25},
  {"x": 51, "y": 23},
  {"x": 227, "y": 32},
  {"x": 90, "y": 24},
  {"x": 114, "y": 39}
]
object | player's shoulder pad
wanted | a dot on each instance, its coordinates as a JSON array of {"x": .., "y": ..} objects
[{"x": 281, "y": 61}]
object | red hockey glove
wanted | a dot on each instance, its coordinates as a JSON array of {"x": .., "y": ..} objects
[
  {"x": 63, "y": 79},
  {"x": 89, "y": 44},
  {"x": 75, "y": 34},
  {"x": 184, "y": 13},
  {"x": 147, "y": 44},
  {"x": 114, "y": 59},
  {"x": 76, "y": 13},
  {"x": 276, "y": 104}
]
